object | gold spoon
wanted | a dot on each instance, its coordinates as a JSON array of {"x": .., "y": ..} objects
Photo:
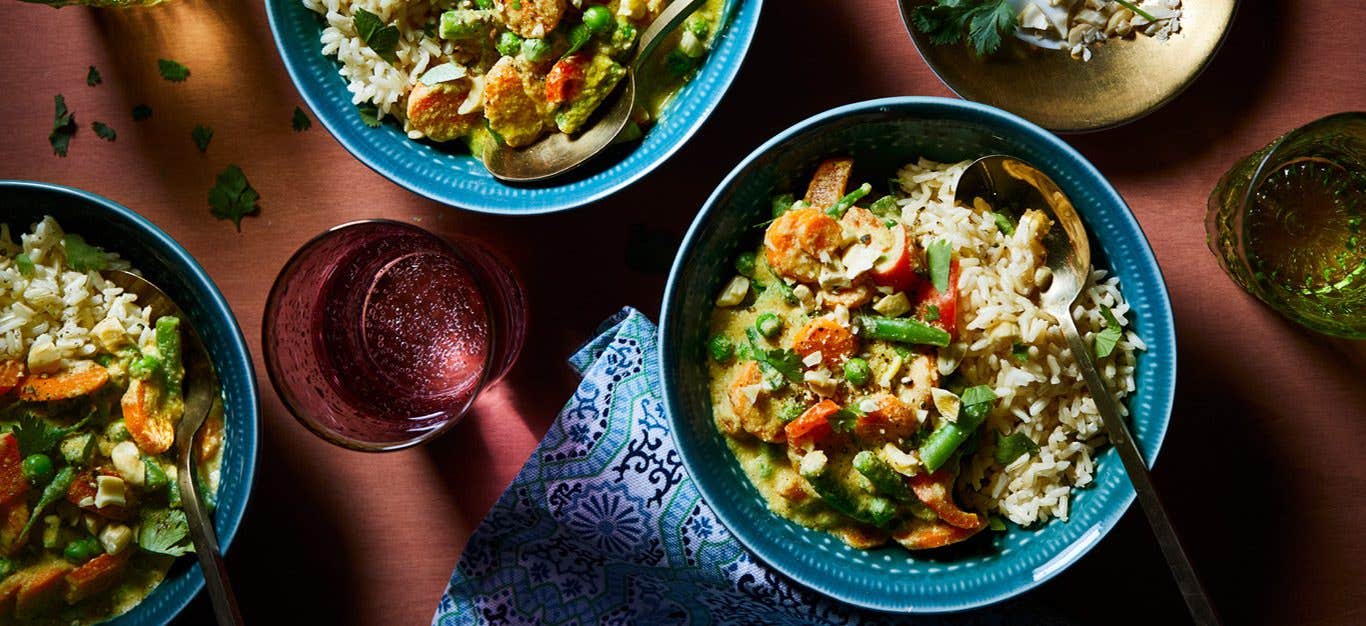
[
  {"x": 558, "y": 153},
  {"x": 1007, "y": 181},
  {"x": 201, "y": 391}
]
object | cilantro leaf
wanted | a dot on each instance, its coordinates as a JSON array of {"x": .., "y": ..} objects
[
  {"x": 201, "y": 135},
  {"x": 938, "y": 257},
  {"x": 381, "y": 38},
  {"x": 983, "y": 22},
  {"x": 301, "y": 121},
  {"x": 37, "y": 435},
  {"x": 63, "y": 127},
  {"x": 1013, "y": 446},
  {"x": 165, "y": 531},
  {"x": 141, "y": 112},
  {"x": 1019, "y": 351},
  {"x": 24, "y": 263},
  {"x": 784, "y": 361},
  {"x": 232, "y": 197},
  {"x": 81, "y": 256},
  {"x": 845, "y": 419},
  {"x": 172, "y": 71},
  {"x": 369, "y": 115},
  {"x": 104, "y": 131},
  {"x": 1003, "y": 223},
  {"x": 92, "y": 77},
  {"x": 1106, "y": 340}
]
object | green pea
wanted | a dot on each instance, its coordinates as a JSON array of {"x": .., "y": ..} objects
[
  {"x": 509, "y": 44},
  {"x": 37, "y": 469},
  {"x": 598, "y": 18},
  {"x": 82, "y": 550},
  {"x": 768, "y": 325},
  {"x": 720, "y": 348},
  {"x": 117, "y": 431},
  {"x": 744, "y": 264},
  {"x": 535, "y": 50},
  {"x": 857, "y": 372},
  {"x": 699, "y": 26}
]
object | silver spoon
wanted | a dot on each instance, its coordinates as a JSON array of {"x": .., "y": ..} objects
[
  {"x": 558, "y": 153},
  {"x": 1007, "y": 181},
  {"x": 201, "y": 391}
]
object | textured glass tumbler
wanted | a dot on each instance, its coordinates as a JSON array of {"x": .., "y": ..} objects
[
  {"x": 1284, "y": 223},
  {"x": 378, "y": 335}
]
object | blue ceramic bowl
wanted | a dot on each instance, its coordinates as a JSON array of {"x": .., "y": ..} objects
[
  {"x": 448, "y": 174},
  {"x": 162, "y": 260},
  {"x": 882, "y": 135}
]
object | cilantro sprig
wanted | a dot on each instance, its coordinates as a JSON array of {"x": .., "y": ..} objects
[
  {"x": 92, "y": 77},
  {"x": 983, "y": 22},
  {"x": 381, "y": 38},
  {"x": 1106, "y": 340},
  {"x": 37, "y": 435},
  {"x": 63, "y": 127},
  {"x": 104, "y": 131},
  {"x": 172, "y": 70},
  {"x": 232, "y": 197},
  {"x": 202, "y": 135},
  {"x": 781, "y": 360},
  {"x": 300, "y": 122}
]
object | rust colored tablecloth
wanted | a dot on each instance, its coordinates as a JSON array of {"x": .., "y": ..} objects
[{"x": 1261, "y": 468}]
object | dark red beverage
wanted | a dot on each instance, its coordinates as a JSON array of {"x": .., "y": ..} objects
[{"x": 379, "y": 334}]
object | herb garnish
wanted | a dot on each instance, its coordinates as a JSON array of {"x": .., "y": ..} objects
[
  {"x": 104, "y": 131},
  {"x": 381, "y": 38},
  {"x": 785, "y": 361},
  {"x": 172, "y": 71},
  {"x": 1105, "y": 340},
  {"x": 938, "y": 257},
  {"x": 1013, "y": 446},
  {"x": 300, "y": 121},
  {"x": 983, "y": 21},
  {"x": 369, "y": 115},
  {"x": 141, "y": 112},
  {"x": 24, "y": 263},
  {"x": 1003, "y": 223},
  {"x": 92, "y": 77},
  {"x": 232, "y": 197},
  {"x": 201, "y": 135},
  {"x": 37, "y": 435},
  {"x": 81, "y": 256},
  {"x": 164, "y": 531},
  {"x": 63, "y": 127}
]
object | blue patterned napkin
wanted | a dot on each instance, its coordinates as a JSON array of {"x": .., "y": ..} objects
[{"x": 603, "y": 526}]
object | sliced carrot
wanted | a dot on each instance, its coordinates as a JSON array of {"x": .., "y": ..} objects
[
  {"x": 920, "y": 534},
  {"x": 83, "y": 489},
  {"x": 829, "y": 182},
  {"x": 934, "y": 490},
  {"x": 813, "y": 425},
  {"x": 84, "y": 378},
  {"x": 41, "y": 589},
  {"x": 96, "y": 575},
  {"x": 153, "y": 432},
  {"x": 11, "y": 372},
  {"x": 12, "y": 481},
  {"x": 13, "y": 516},
  {"x": 9, "y": 590},
  {"x": 828, "y": 337}
]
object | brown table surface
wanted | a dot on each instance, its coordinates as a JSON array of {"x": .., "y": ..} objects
[{"x": 1261, "y": 467}]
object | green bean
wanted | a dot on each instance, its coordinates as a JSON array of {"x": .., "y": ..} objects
[
  {"x": 884, "y": 479},
  {"x": 720, "y": 348},
  {"x": 902, "y": 330},
  {"x": 768, "y": 325},
  {"x": 946, "y": 439},
  {"x": 839, "y": 207},
  {"x": 168, "y": 346},
  {"x": 874, "y": 510},
  {"x": 54, "y": 491},
  {"x": 144, "y": 367}
]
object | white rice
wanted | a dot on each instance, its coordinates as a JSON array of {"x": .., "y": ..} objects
[
  {"x": 1045, "y": 396},
  {"x": 57, "y": 315},
  {"x": 369, "y": 78}
]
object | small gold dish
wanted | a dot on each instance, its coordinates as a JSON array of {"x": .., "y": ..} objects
[{"x": 1124, "y": 80}]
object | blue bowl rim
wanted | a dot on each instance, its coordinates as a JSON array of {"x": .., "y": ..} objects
[
  {"x": 621, "y": 183},
  {"x": 217, "y": 306},
  {"x": 994, "y": 117}
]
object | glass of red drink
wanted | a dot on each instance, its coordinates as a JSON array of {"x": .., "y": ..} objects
[{"x": 379, "y": 335}]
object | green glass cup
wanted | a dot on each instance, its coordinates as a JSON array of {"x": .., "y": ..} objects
[{"x": 1286, "y": 223}]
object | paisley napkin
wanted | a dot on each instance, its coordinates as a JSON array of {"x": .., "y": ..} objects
[{"x": 604, "y": 526}]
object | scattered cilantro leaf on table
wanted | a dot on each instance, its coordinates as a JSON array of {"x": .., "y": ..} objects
[
  {"x": 172, "y": 71},
  {"x": 201, "y": 135},
  {"x": 92, "y": 77},
  {"x": 141, "y": 112},
  {"x": 982, "y": 22},
  {"x": 63, "y": 127},
  {"x": 369, "y": 115},
  {"x": 232, "y": 197},
  {"x": 104, "y": 131},
  {"x": 381, "y": 38},
  {"x": 300, "y": 121},
  {"x": 1106, "y": 340}
]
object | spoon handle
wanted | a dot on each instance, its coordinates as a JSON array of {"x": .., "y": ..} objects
[
  {"x": 1197, "y": 602},
  {"x": 669, "y": 19},
  {"x": 206, "y": 548}
]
